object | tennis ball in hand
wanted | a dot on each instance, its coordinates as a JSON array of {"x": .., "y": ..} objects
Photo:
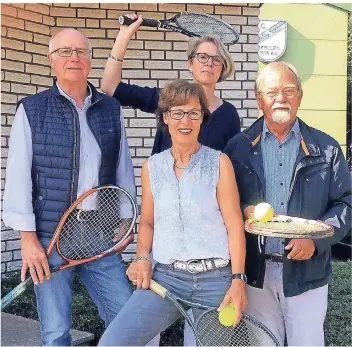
[
  {"x": 227, "y": 315},
  {"x": 263, "y": 212}
]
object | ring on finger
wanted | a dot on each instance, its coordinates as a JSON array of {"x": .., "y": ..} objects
[{"x": 31, "y": 269}]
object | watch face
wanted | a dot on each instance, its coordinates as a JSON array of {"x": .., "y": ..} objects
[{"x": 241, "y": 276}]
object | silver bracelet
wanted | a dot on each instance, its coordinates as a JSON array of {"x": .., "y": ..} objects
[
  {"x": 116, "y": 59},
  {"x": 144, "y": 257}
]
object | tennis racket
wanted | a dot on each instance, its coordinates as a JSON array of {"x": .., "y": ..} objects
[
  {"x": 91, "y": 228},
  {"x": 192, "y": 24},
  {"x": 208, "y": 331},
  {"x": 290, "y": 227}
]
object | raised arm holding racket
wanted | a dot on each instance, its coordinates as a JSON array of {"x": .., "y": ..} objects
[{"x": 302, "y": 173}]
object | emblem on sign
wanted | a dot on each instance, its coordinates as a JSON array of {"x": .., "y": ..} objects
[{"x": 272, "y": 39}]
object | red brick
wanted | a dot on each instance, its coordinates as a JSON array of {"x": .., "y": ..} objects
[
  {"x": 8, "y": 10},
  {"x": 48, "y": 20},
  {"x": 172, "y": 7},
  {"x": 92, "y": 23},
  {"x": 229, "y": 10},
  {"x": 86, "y": 5},
  {"x": 40, "y": 59},
  {"x": 31, "y": 16},
  {"x": 20, "y": 34},
  {"x": 12, "y": 22},
  {"x": 93, "y": 32},
  {"x": 41, "y": 39},
  {"x": 41, "y": 8},
  {"x": 109, "y": 23},
  {"x": 14, "y": 55},
  {"x": 12, "y": 65},
  {"x": 114, "y": 6},
  {"x": 200, "y": 8},
  {"x": 38, "y": 69},
  {"x": 113, "y": 14},
  {"x": 14, "y": 44},
  {"x": 37, "y": 28},
  {"x": 70, "y": 22},
  {"x": 143, "y": 7},
  {"x": 33, "y": 48},
  {"x": 17, "y": 77},
  {"x": 62, "y": 12},
  {"x": 101, "y": 43},
  {"x": 23, "y": 88},
  {"x": 42, "y": 81},
  {"x": 251, "y": 11},
  {"x": 91, "y": 13}
]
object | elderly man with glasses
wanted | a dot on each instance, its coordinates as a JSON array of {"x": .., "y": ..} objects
[
  {"x": 65, "y": 141},
  {"x": 301, "y": 172}
]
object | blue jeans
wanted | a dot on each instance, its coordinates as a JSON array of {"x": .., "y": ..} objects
[
  {"x": 105, "y": 280},
  {"x": 146, "y": 314}
]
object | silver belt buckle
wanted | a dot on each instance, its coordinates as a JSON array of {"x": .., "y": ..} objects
[{"x": 190, "y": 262}]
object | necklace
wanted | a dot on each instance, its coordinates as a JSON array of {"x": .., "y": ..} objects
[{"x": 180, "y": 167}]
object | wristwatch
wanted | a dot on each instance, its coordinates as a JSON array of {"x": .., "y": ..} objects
[{"x": 242, "y": 276}]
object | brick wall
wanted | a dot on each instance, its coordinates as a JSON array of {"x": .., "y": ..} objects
[{"x": 153, "y": 58}]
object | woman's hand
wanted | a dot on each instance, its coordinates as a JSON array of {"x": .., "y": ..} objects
[
  {"x": 140, "y": 273},
  {"x": 127, "y": 31},
  {"x": 236, "y": 295}
]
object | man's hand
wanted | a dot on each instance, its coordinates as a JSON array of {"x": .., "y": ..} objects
[
  {"x": 33, "y": 258},
  {"x": 248, "y": 212},
  {"x": 301, "y": 249}
]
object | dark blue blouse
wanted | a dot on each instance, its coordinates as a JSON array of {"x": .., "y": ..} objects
[{"x": 222, "y": 126}]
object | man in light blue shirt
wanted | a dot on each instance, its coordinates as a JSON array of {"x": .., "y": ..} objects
[{"x": 65, "y": 141}]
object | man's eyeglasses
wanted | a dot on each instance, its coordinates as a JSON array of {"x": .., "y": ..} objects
[
  {"x": 204, "y": 58},
  {"x": 67, "y": 52},
  {"x": 288, "y": 93},
  {"x": 179, "y": 114}
]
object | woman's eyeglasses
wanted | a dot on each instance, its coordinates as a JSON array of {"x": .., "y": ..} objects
[
  {"x": 179, "y": 114},
  {"x": 203, "y": 58}
]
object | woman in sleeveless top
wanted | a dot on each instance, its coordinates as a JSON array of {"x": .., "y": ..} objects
[
  {"x": 208, "y": 61},
  {"x": 190, "y": 211}
]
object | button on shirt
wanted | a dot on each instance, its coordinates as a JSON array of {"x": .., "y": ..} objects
[
  {"x": 278, "y": 163},
  {"x": 18, "y": 213}
]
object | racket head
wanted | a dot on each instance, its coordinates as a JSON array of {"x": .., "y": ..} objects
[
  {"x": 249, "y": 332},
  {"x": 201, "y": 24},
  {"x": 96, "y": 223},
  {"x": 290, "y": 227}
]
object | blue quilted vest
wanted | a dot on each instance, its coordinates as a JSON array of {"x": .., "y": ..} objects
[{"x": 55, "y": 130}]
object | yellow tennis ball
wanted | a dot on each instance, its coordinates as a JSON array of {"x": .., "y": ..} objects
[
  {"x": 227, "y": 315},
  {"x": 263, "y": 212}
]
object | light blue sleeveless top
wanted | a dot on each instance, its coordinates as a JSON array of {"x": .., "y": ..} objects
[{"x": 187, "y": 220}]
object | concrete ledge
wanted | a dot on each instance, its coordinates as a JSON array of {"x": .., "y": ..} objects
[{"x": 20, "y": 331}]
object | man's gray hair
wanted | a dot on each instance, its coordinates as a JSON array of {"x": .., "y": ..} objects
[
  {"x": 52, "y": 38},
  {"x": 275, "y": 66}
]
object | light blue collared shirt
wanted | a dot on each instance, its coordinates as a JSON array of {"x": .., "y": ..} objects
[{"x": 278, "y": 163}]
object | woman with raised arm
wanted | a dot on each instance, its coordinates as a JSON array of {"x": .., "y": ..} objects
[{"x": 208, "y": 61}]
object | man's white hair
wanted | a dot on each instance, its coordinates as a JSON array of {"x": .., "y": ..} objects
[
  {"x": 53, "y": 37},
  {"x": 275, "y": 66}
]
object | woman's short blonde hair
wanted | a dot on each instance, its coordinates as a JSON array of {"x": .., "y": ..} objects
[
  {"x": 179, "y": 93},
  {"x": 228, "y": 67}
]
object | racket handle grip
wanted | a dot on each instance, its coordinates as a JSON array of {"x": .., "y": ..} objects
[
  {"x": 16, "y": 292},
  {"x": 157, "y": 288},
  {"x": 124, "y": 20}
]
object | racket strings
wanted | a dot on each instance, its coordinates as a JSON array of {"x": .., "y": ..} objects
[
  {"x": 100, "y": 221},
  {"x": 247, "y": 333},
  {"x": 204, "y": 25}
]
